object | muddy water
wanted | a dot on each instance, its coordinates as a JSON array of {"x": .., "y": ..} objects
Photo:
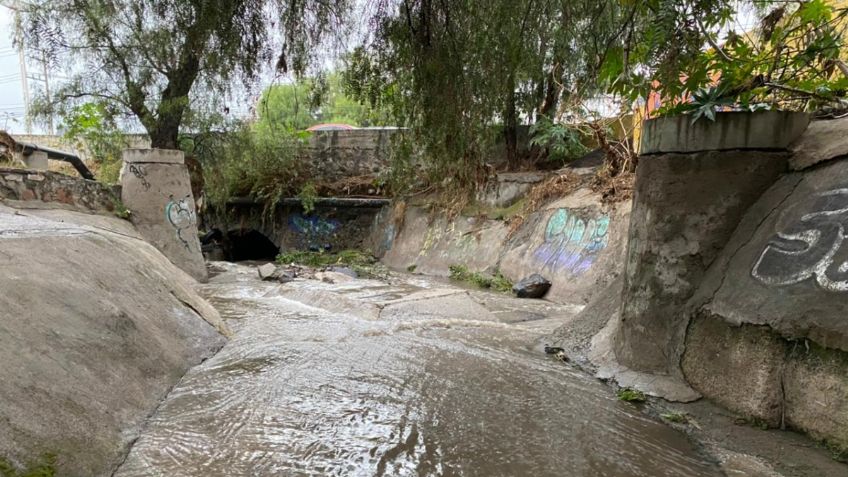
[{"x": 417, "y": 389}]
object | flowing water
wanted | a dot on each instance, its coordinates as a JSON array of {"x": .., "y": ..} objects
[{"x": 405, "y": 379}]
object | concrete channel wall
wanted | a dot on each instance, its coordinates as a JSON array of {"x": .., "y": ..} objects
[
  {"x": 96, "y": 325},
  {"x": 576, "y": 242},
  {"x": 736, "y": 267}
]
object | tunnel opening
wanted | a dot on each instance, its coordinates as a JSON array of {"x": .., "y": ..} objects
[{"x": 249, "y": 244}]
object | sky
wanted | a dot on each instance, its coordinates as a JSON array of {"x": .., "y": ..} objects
[{"x": 11, "y": 96}]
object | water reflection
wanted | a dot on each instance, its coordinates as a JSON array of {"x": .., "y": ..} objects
[{"x": 302, "y": 391}]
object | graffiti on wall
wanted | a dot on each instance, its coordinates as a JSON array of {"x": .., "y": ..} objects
[
  {"x": 313, "y": 232},
  {"x": 811, "y": 247},
  {"x": 573, "y": 240},
  {"x": 180, "y": 214}
]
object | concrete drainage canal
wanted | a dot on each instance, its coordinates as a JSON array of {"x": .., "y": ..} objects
[{"x": 401, "y": 377}]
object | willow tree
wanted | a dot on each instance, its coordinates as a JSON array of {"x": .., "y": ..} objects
[
  {"x": 454, "y": 71},
  {"x": 150, "y": 59}
]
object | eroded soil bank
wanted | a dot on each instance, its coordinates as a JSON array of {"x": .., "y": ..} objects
[{"x": 410, "y": 376}]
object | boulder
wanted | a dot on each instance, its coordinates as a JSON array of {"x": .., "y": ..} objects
[
  {"x": 346, "y": 271},
  {"x": 534, "y": 286},
  {"x": 268, "y": 271}
]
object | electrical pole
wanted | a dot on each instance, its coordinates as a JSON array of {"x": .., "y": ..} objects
[{"x": 19, "y": 39}]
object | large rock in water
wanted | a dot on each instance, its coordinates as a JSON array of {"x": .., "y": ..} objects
[
  {"x": 96, "y": 326},
  {"x": 534, "y": 286}
]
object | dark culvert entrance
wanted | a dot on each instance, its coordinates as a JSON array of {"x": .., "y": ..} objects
[{"x": 249, "y": 244}]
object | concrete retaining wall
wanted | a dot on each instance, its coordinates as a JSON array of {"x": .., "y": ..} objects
[
  {"x": 155, "y": 186},
  {"x": 784, "y": 272},
  {"x": 45, "y": 186},
  {"x": 575, "y": 242},
  {"x": 685, "y": 208}
]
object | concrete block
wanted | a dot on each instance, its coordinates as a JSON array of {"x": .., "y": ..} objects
[
  {"x": 767, "y": 130},
  {"x": 816, "y": 391},
  {"x": 159, "y": 156},
  {"x": 737, "y": 367},
  {"x": 822, "y": 141},
  {"x": 158, "y": 192},
  {"x": 685, "y": 210},
  {"x": 37, "y": 160}
]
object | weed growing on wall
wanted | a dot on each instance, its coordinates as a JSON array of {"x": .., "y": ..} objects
[
  {"x": 496, "y": 282},
  {"x": 631, "y": 395},
  {"x": 46, "y": 467},
  {"x": 249, "y": 162}
]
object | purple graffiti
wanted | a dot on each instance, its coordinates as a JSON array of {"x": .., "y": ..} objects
[{"x": 572, "y": 243}]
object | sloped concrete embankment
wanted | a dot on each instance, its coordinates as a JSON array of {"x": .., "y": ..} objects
[
  {"x": 769, "y": 330},
  {"x": 96, "y": 326},
  {"x": 737, "y": 274},
  {"x": 575, "y": 242}
]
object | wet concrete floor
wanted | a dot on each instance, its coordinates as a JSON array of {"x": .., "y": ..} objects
[{"x": 415, "y": 378}]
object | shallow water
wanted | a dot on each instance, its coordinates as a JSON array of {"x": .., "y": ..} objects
[{"x": 430, "y": 386}]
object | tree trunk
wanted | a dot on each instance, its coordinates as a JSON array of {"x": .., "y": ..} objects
[{"x": 511, "y": 127}]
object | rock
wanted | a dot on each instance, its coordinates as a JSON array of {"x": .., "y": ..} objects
[
  {"x": 268, "y": 271},
  {"x": 534, "y": 286},
  {"x": 346, "y": 271},
  {"x": 333, "y": 277}
]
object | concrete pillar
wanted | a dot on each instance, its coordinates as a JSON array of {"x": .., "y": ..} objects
[
  {"x": 36, "y": 160},
  {"x": 688, "y": 202},
  {"x": 155, "y": 187}
]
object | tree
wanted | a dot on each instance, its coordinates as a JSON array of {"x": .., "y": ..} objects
[
  {"x": 309, "y": 101},
  {"x": 455, "y": 70},
  {"x": 148, "y": 59}
]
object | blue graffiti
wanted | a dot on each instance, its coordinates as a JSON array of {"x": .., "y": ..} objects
[
  {"x": 313, "y": 232},
  {"x": 572, "y": 242}
]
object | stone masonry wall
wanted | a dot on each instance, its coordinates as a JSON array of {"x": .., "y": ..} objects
[{"x": 45, "y": 186}]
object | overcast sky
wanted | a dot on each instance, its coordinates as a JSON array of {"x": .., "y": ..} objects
[{"x": 11, "y": 98}]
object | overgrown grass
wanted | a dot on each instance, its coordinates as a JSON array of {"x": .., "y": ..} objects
[
  {"x": 496, "y": 282},
  {"x": 363, "y": 263},
  {"x": 675, "y": 417},
  {"x": 631, "y": 395},
  {"x": 121, "y": 210},
  {"x": 251, "y": 162},
  {"x": 45, "y": 468}
]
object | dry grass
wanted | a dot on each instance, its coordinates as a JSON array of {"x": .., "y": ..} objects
[
  {"x": 361, "y": 186},
  {"x": 554, "y": 187}
]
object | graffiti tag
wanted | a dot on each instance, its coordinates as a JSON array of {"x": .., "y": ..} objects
[
  {"x": 572, "y": 242},
  {"x": 810, "y": 247},
  {"x": 315, "y": 233},
  {"x": 180, "y": 214},
  {"x": 140, "y": 174}
]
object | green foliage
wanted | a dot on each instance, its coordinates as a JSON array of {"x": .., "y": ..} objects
[
  {"x": 675, "y": 417},
  {"x": 460, "y": 89},
  {"x": 363, "y": 263},
  {"x": 91, "y": 127},
  {"x": 309, "y": 101},
  {"x": 45, "y": 468},
  {"x": 631, "y": 395},
  {"x": 564, "y": 142},
  {"x": 243, "y": 162},
  {"x": 497, "y": 282},
  {"x": 308, "y": 195},
  {"x": 151, "y": 59},
  {"x": 411, "y": 268},
  {"x": 121, "y": 210},
  {"x": 791, "y": 62}
]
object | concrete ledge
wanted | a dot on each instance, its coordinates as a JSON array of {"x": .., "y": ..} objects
[
  {"x": 822, "y": 141},
  {"x": 160, "y": 156},
  {"x": 768, "y": 130}
]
